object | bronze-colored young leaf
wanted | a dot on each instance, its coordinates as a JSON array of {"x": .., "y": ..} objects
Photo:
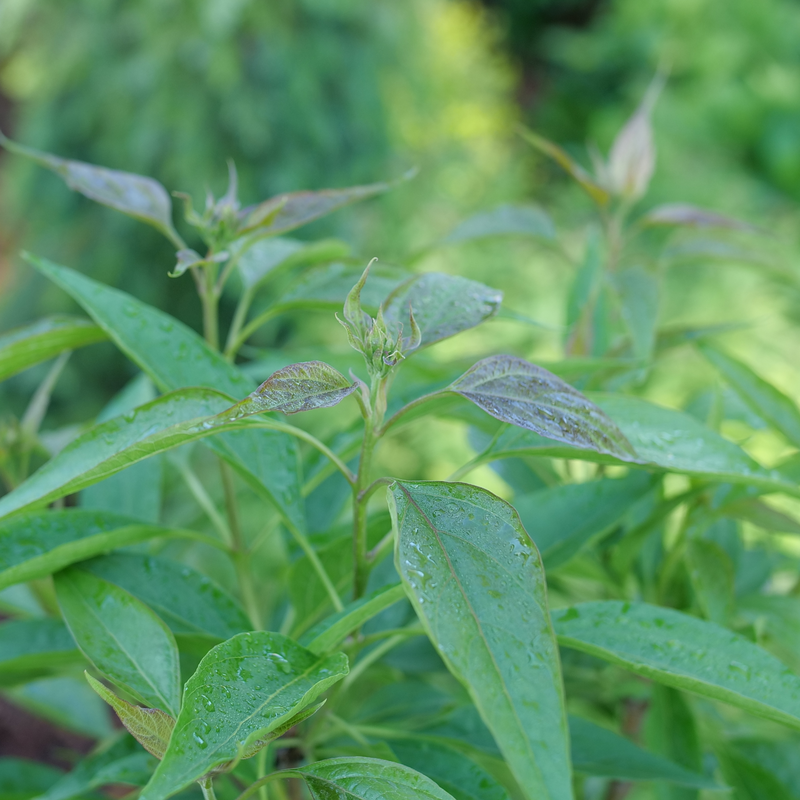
[
  {"x": 298, "y": 387},
  {"x": 513, "y": 390},
  {"x": 135, "y": 195},
  {"x": 151, "y": 727},
  {"x": 688, "y": 216}
]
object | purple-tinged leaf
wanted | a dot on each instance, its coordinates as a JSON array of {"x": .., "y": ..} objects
[{"x": 688, "y": 216}]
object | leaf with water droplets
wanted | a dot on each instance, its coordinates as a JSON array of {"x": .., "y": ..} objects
[
  {"x": 503, "y": 221},
  {"x": 122, "y": 637},
  {"x": 684, "y": 652},
  {"x": 513, "y": 390},
  {"x": 298, "y": 387},
  {"x": 367, "y": 779},
  {"x": 44, "y": 339},
  {"x": 151, "y": 727},
  {"x": 243, "y": 690},
  {"x": 476, "y": 581},
  {"x": 135, "y": 195},
  {"x": 443, "y": 305}
]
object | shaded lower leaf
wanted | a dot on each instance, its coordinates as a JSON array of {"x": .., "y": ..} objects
[
  {"x": 503, "y": 221},
  {"x": 243, "y": 690},
  {"x": 684, "y": 652},
  {"x": 21, "y": 779},
  {"x": 759, "y": 769},
  {"x": 476, "y": 582},
  {"x": 713, "y": 579},
  {"x": 638, "y": 293},
  {"x": 122, "y": 637},
  {"x": 31, "y": 647}
]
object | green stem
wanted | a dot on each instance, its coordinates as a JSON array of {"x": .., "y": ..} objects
[
  {"x": 393, "y": 420},
  {"x": 374, "y": 655},
  {"x": 360, "y": 562},
  {"x": 253, "y": 788},
  {"x": 239, "y": 317},
  {"x": 208, "y": 789},
  {"x": 204, "y": 501},
  {"x": 308, "y": 549},
  {"x": 233, "y": 348},
  {"x": 210, "y": 300}
]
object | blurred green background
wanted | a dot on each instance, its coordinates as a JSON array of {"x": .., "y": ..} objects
[{"x": 314, "y": 93}]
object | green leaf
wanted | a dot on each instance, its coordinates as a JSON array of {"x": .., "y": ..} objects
[
  {"x": 501, "y": 221},
  {"x": 685, "y": 215},
  {"x": 599, "y": 751},
  {"x": 42, "y": 340},
  {"x": 135, "y": 195},
  {"x": 174, "y": 356},
  {"x": 122, "y": 637},
  {"x": 185, "y": 599},
  {"x": 683, "y": 652},
  {"x": 151, "y": 727},
  {"x": 512, "y": 390},
  {"x": 451, "y": 769},
  {"x": 327, "y": 635},
  {"x": 563, "y": 519},
  {"x": 243, "y": 691},
  {"x": 443, "y": 305},
  {"x": 662, "y": 438},
  {"x": 21, "y": 779},
  {"x": 638, "y": 293},
  {"x": 37, "y": 544},
  {"x": 367, "y": 779},
  {"x": 759, "y": 769},
  {"x": 32, "y": 647},
  {"x": 298, "y": 387},
  {"x": 572, "y": 168},
  {"x": 121, "y": 761},
  {"x": 772, "y": 405},
  {"x": 476, "y": 582},
  {"x": 713, "y": 579}
]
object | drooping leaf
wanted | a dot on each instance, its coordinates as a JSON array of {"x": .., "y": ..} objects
[
  {"x": 326, "y": 635},
  {"x": 37, "y": 544},
  {"x": 501, "y": 221},
  {"x": 569, "y": 165},
  {"x": 367, "y": 779},
  {"x": 243, "y": 691},
  {"x": 174, "y": 356},
  {"x": 713, "y": 579},
  {"x": 122, "y": 637},
  {"x": 185, "y": 599},
  {"x": 638, "y": 294},
  {"x": 599, "y": 751},
  {"x": 563, "y": 519},
  {"x": 21, "y": 779},
  {"x": 298, "y": 387},
  {"x": 451, "y": 769},
  {"x": 684, "y": 652},
  {"x": 513, "y": 390},
  {"x": 33, "y": 647},
  {"x": 476, "y": 582},
  {"x": 443, "y": 305},
  {"x": 151, "y": 727},
  {"x": 772, "y": 405},
  {"x": 685, "y": 215},
  {"x": 121, "y": 761},
  {"x": 47, "y": 338},
  {"x": 135, "y": 195}
]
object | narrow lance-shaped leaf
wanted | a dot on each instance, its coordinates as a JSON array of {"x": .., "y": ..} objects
[
  {"x": 24, "y": 347},
  {"x": 366, "y": 779},
  {"x": 122, "y": 637},
  {"x": 151, "y": 727},
  {"x": 638, "y": 293},
  {"x": 476, "y": 582},
  {"x": 772, "y": 405},
  {"x": 242, "y": 692},
  {"x": 504, "y": 220},
  {"x": 684, "y": 652},
  {"x": 140, "y": 197},
  {"x": 37, "y": 544},
  {"x": 443, "y": 305},
  {"x": 513, "y": 390},
  {"x": 685, "y": 215}
]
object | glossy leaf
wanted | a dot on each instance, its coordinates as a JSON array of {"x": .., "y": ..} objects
[
  {"x": 188, "y": 601},
  {"x": 45, "y": 339},
  {"x": 367, "y": 779},
  {"x": 322, "y": 638},
  {"x": 563, "y": 519},
  {"x": 570, "y": 166},
  {"x": 685, "y": 215},
  {"x": 599, "y": 751},
  {"x": 476, "y": 582},
  {"x": 122, "y": 637},
  {"x": 443, "y": 305},
  {"x": 298, "y": 387},
  {"x": 513, "y": 390},
  {"x": 772, "y": 405},
  {"x": 174, "y": 356},
  {"x": 242, "y": 692},
  {"x": 32, "y": 647},
  {"x": 140, "y": 197},
  {"x": 37, "y": 544},
  {"x": 151, "y": 727},
  {"x": 684, "y": 652},
  {"x": 661, "y": 437},
  {"x": 501, "y": 221},
  {"x": 289, "y": 211},
  {"x": 638, "y": 294}
]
